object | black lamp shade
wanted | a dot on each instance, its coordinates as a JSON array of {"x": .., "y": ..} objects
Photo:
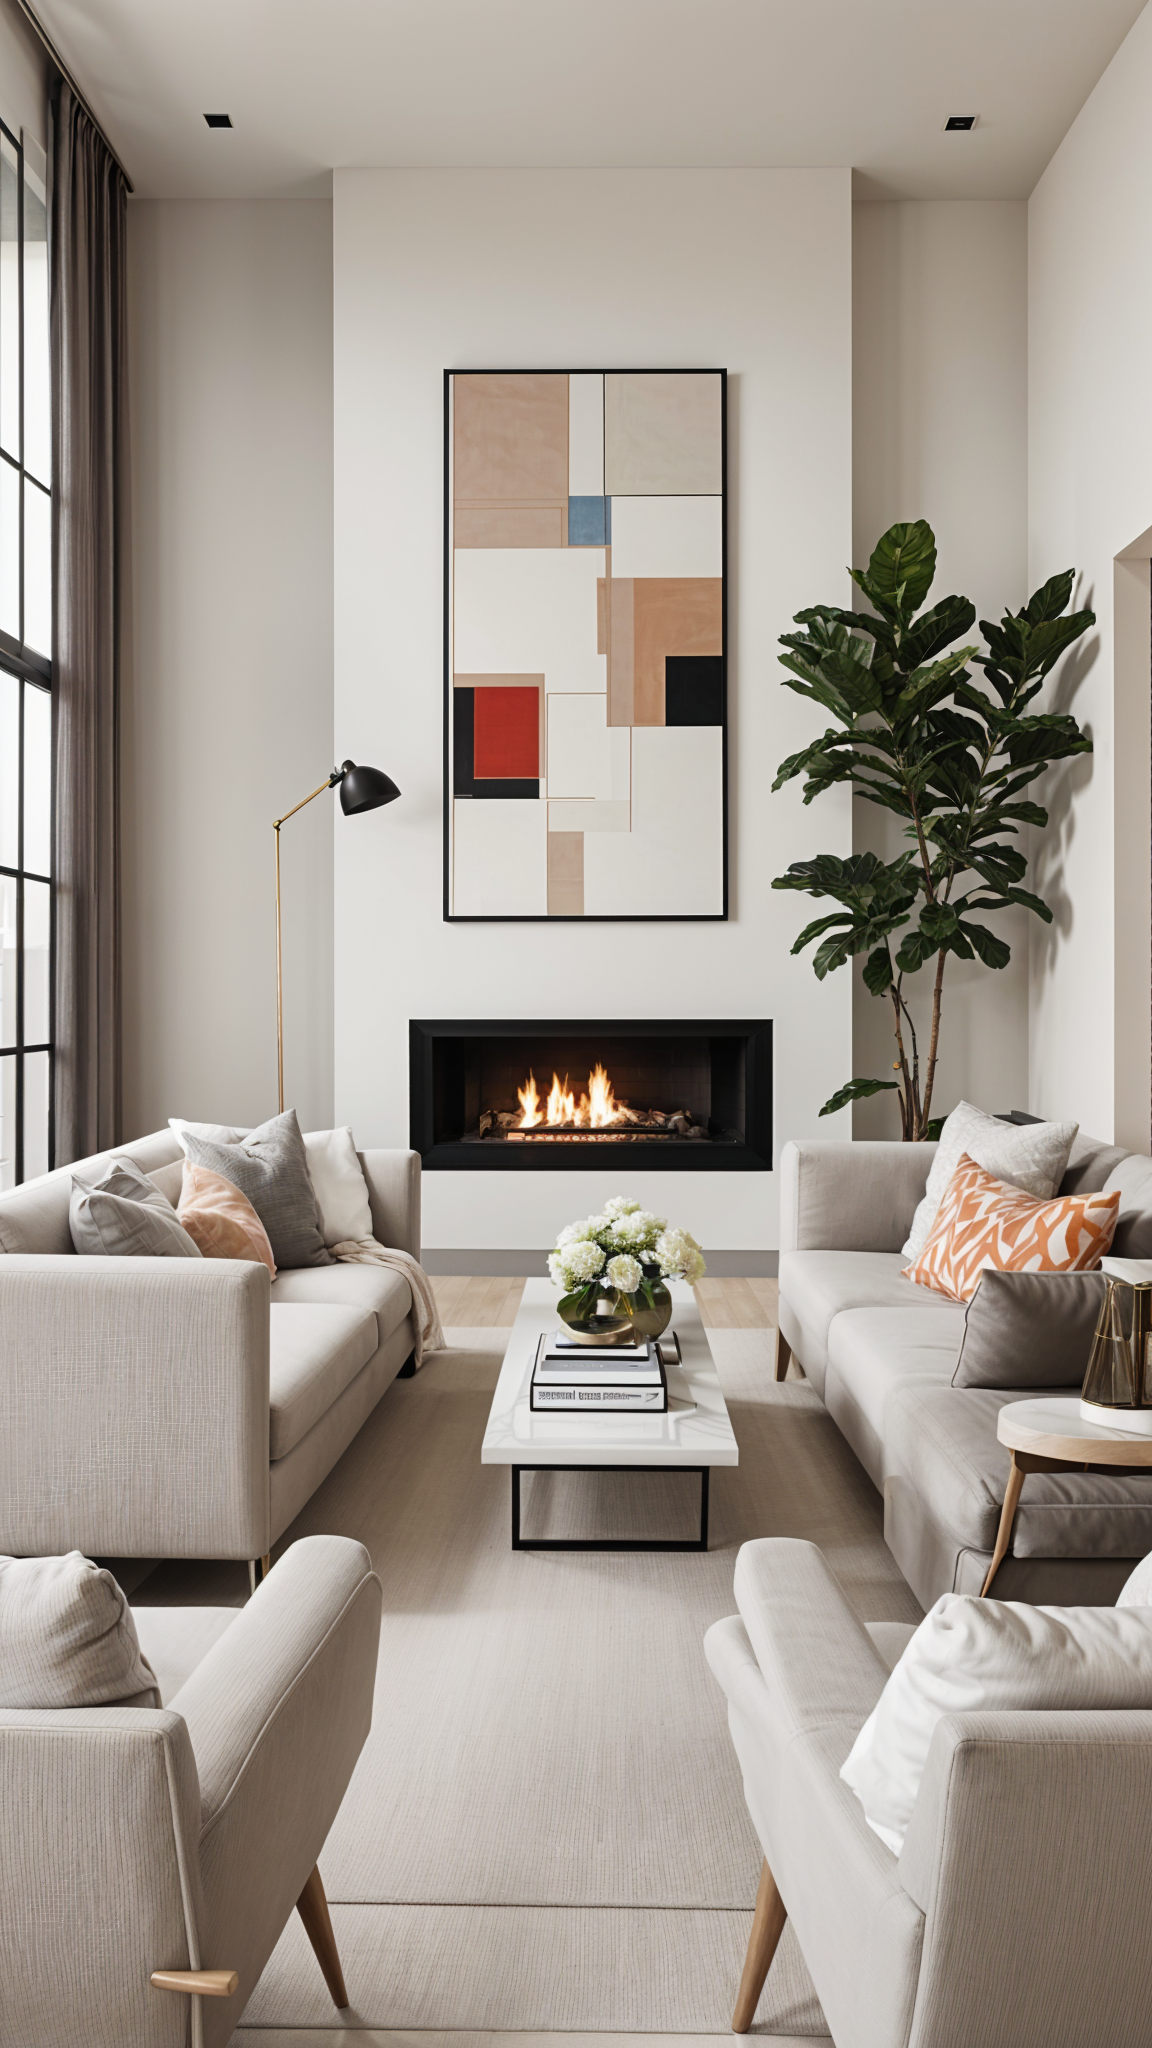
[{"x": 364, "y": 789}]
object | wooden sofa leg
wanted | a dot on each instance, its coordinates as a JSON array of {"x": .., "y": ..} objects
[
  {"x": 783, "y": 1355},
  {"x": 312, "y": 1907},
  {"x": 767, "y": 1927}
]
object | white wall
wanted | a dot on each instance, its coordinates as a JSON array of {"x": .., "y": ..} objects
[
  {"x": 749, "y": 270},
  {"x": 939, "y": 432},
  {"x": 1090, "y": 502},
  {"x": 23, "y": 76},
  {"x": 228, "y": 698}
]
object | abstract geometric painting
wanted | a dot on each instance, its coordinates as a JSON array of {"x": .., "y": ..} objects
[{"x": 585, "y": 657}]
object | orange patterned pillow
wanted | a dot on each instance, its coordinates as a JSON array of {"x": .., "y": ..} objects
[
  {"x": 983, "y": 1221},
  {"x": 220, "y": 1219}
]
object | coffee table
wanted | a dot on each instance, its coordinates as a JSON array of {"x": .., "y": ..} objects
[
  {"x": 1051, "y": 1435},
  {"x": 693, "y": 1436}
]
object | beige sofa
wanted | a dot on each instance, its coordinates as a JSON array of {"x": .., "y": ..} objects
[
  {"x": 183, "y": 1407},
  {"x": 881, "y": 1351},
  {"x": 179, "y": 1838},
  {"x": 1014, "y": 1916}
]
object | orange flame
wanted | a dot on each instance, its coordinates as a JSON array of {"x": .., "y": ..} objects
[
  {"x": 596, "y": 1109},
  {"x": 529, "y": 1103}
]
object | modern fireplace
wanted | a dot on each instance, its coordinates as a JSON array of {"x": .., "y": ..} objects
[{"x": 687, "y": 1096}]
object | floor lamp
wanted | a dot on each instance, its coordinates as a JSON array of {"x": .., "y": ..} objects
[{"x": 361, "y": 789}]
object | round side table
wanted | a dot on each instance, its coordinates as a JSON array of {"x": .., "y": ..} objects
[{"x": 1052, "y": 1436}]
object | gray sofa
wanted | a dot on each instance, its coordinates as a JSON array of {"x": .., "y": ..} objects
[
  {"x": 179, "y": 1838},
  {"x": 183, "y": 1407},
  {"x": 1014, "y": 1916},
  {"x": 880, "y": 1351}
]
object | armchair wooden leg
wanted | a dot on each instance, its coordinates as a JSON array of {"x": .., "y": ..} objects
[
  {"x": 767, "y": 1927},
  {"x": 783, "y": 1355},
  {"x": 312, "y": 1907}
]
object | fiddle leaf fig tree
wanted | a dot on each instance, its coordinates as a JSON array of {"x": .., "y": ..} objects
[{"x": 919, "y": 730}]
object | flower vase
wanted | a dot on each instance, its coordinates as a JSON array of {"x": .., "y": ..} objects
[{"x": 599, "y": 1314}]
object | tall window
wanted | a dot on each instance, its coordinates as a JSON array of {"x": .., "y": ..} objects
[{"x": 25, "y": 668}]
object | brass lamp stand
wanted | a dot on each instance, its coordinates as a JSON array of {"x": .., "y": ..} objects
[{"x": 361, "y": 789}]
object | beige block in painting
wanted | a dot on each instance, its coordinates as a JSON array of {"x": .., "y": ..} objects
[
  {"x": 668, "y": 537},
  {"x": 499, "y": 857},
  {"x": 586, "y": 436},
  {"x": 603, "y": 815},
  {"x": 521, "y": 611},
  {"x": 618, "y": 641},
  {"x": 565, "y": 874},
  {"x": 673, "y": 615},
  {"x": 509, "y": 439},
  {"x": 662, "y": 434},
  {"x": 510, "y": 526},
  {"x": 671, "y": 863}
]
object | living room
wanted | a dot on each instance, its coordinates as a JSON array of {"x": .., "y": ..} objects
[{"x": 447, "y": 454}]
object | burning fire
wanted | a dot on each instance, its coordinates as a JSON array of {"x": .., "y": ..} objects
[{"x": 594, "y": 1110}]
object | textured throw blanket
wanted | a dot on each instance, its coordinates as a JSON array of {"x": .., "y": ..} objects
[{"x": 364, "y": 1251}]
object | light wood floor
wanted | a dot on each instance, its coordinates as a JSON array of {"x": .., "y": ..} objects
[{"x": 469, "y": 1302}]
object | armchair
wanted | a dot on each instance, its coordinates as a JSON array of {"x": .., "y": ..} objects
[
  {"x": 1014, "y": 1912},
  {"x": 150, "y": 1858}
]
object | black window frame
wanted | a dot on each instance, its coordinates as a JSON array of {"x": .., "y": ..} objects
[{"x": 32, "y": 671}]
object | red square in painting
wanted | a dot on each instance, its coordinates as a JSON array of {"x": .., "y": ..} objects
[{"x": 507, "y": 732}]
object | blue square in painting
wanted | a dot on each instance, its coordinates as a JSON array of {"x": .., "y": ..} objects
[{"x": 589, "y": 522}]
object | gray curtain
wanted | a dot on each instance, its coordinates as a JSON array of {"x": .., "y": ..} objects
[{"x": 90, "y": 542}]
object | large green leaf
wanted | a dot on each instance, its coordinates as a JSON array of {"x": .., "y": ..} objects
[
  {"x": 878, "y": 971},
  {"x": 854, "y": 1091},
  {"x": 935, "y": 630},
  {"x": 901, "y": 569}
]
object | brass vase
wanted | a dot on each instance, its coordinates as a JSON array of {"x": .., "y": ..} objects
[{"x": 1117, "y": 1388}]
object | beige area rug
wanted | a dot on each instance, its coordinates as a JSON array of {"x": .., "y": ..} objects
[{"x": 546, "y": 1829}]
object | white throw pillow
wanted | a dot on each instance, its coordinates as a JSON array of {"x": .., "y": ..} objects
[
  {"x": 340, "y": 1187},
  {"x": 67, "y": 1638},
  {"x": 989, "y": 1656},
  {"x": 337, "y": 1181},
  {"x": 1031, "y": 1156}
]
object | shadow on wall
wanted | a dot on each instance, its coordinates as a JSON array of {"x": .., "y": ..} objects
[{"x": 1059, "y": 796}]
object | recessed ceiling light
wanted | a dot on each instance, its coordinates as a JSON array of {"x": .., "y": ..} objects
[
  {"x": 225, "y": 121},
  {"x": 959, "y": 121}
]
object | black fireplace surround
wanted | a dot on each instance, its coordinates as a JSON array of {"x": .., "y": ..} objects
[{"x": 714, "y": 1077}]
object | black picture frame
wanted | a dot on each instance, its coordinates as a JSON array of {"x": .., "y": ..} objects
[{"x": 451, "y": 916}]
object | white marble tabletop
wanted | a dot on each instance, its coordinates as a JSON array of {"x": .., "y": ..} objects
[
  {"x": 1055, "y": 1427},
  {"x": 696, "y": 1430}
]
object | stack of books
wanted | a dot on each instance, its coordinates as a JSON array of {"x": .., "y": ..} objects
[{"x": 617, "y": 1379}]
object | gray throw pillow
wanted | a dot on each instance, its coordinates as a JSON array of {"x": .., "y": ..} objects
[
  {"x": 122, "y": 1215},
  {"x": 270, "y": 1166},
  {"x": 67, "y": 1638},
  {"x": 1029, "y": 1330}
]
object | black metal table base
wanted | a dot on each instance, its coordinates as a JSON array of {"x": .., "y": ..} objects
[{"x": 520, "y": 1542}]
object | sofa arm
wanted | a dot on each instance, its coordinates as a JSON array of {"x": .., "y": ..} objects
[
  {"x": 394, "y": 1195},
  {"x": 1030, "y": 1830},
  {"x": 278, "y": 1712},
  {"x": 98, "y": 1875},
  {"x": 133, "y": 1406},
  {"x": 837, "y": 1197}
]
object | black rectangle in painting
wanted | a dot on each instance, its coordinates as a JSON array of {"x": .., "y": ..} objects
[
  {"x": 464, "y": 782},
  {"x": 693, "y": 689}
]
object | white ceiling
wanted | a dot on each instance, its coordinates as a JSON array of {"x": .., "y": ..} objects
[{"x": 620, "y": 83}]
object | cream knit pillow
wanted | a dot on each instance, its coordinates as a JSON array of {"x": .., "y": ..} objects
[
  {"x": 1031, "y": 1156},
  {"x": 67, "y": 1637}
]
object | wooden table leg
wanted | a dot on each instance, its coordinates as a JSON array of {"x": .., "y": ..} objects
[{"x": 1007, "y": 1518}]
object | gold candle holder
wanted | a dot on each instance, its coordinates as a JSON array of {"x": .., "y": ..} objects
[{"x": 1117, "y": 1388}]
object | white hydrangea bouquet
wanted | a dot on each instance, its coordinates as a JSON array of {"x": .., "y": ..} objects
[{"x": 614, "y": 1266}]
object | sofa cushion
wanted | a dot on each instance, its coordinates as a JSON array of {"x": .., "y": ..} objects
[
  {"x": 121, "y": 1215},
  {"x": 376, "y": 1288},
  {"x": 1089, "y": 1163},
  {"x": 176, "y": 1639},
  {"x": 1133, "y": 1234},
  {"x": 270, "y": 1167},
  {"x": 1030, "y": 1156},
  {"x": 34, "y": 1217},
  {"x": 1029, "y": 1330},
  {"x": 942, "y": 1441},
  {"x": 872, "y": 1350},
  {"x": 815, "y": 1286},
  {"x": 67, "y": 1638},
  {"x": 315, "y": 1351},
  {"x": 983, "y": 1221}
]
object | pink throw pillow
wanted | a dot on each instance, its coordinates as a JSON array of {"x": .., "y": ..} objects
[{"x": 221, "y": 1220}]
